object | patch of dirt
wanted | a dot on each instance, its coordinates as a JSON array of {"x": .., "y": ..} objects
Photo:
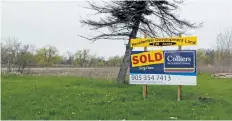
[{"x": 222, "y": 75}]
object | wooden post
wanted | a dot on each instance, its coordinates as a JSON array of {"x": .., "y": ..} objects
[
  {"x": 179, "y": 90},
  {"x": 145, "y": 86}
]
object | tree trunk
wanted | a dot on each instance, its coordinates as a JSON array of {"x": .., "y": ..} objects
[{"x": 126, "y": 59}]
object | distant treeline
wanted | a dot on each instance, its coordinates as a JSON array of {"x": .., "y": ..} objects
[
  {"x": 19, "y": 56},
  {"x": 14, "y": 54}
]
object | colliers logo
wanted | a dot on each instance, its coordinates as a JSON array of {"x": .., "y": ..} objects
[
  {"x": 171, "y": 58},
  {"x": 179, "y": 61}
]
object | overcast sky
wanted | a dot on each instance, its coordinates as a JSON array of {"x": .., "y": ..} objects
[{"x": 57, "y": 23}]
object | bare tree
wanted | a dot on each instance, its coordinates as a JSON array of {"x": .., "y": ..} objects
[
  {"x": 92, "y": 61},
  {"x": 70, "y": 58},
  {"x": 4, "y": 55},
  {"x": 101, "y": 61},
  {"x": 224, "y": 46},
  {"x": 114, "y": 61},
  {"x": 16, "y": 55},
  {"x": 25, "y": 57},
  {"x": 10, "y": 51},
  {"x": 127, "y": 18}
]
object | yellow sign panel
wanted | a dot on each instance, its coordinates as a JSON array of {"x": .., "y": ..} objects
[
  {"x": 147, "y": 58},
  {"x": 174, "y": 41}
]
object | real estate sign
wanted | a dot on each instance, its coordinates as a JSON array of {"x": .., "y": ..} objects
[{"x": 163, "y": 67}]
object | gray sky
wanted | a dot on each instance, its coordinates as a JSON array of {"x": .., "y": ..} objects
[{"x": 57, "y": 23}]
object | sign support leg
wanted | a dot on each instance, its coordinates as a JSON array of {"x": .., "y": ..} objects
[
  {"x": 144, "y": 91},
  {"x": 145, "y": 86},
  {"x": 179, "y": 90}
]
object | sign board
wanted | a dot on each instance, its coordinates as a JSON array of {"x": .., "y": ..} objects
[
  {"x": 163, "y": 67},
  {"x": 174, "y": 41}
]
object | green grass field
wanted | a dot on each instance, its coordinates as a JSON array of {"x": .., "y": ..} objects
[{"x": 51, "y": 97}]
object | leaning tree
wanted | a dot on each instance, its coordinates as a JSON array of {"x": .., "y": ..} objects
[{"x": 125, "y": 19}]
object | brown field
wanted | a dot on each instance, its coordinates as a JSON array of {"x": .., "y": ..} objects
[
  {"x": 106, "y": 72},
  {"x": 109, "y": 73}
]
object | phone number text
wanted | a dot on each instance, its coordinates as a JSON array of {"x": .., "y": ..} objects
[{"x": 151, "y": 77}]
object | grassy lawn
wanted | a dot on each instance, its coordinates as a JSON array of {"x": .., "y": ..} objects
[{"x": 51, "y": 97}]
